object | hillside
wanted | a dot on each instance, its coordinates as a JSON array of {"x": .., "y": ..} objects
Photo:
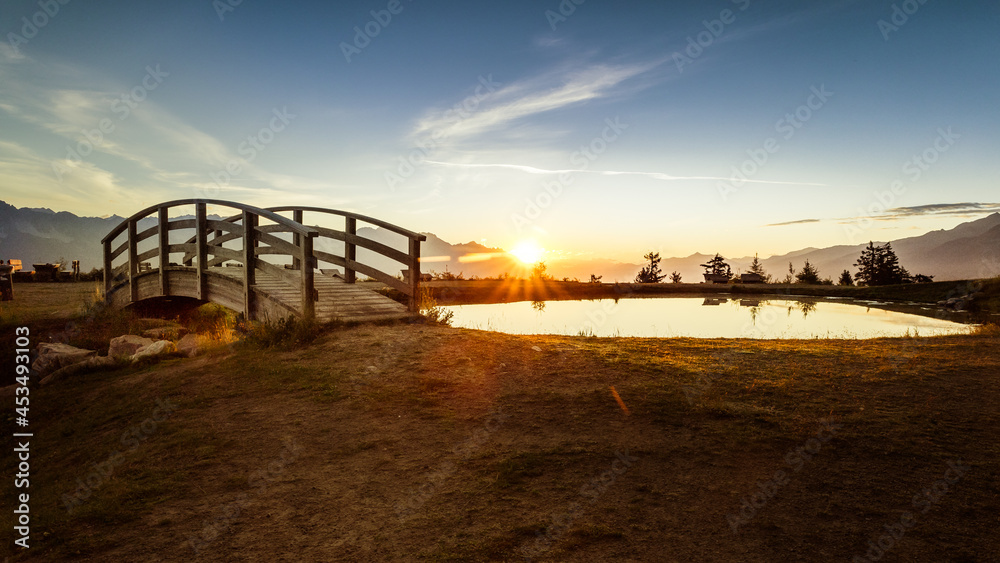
[{"x": 421, "y": 442}]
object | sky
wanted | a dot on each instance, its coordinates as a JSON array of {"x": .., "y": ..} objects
[{"x": 596, "y": 129}]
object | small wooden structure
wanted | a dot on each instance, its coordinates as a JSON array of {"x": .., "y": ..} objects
[
  {"x": 6, "y": 282},
  {"x": 259, "y": 288},
  {"x": 716, "y": 278},
  {"x": 47, "y": 272},
  {"x": 751, "y": 278}
]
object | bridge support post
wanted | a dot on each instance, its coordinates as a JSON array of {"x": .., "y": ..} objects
[
  {"x": 414, "y": 275},
  {"x": 249, "y": 262},
  {"x": 202, "y": 250},
  {"x": 297, "y": 239},
  {"x": 350, "y": 249},
  {"x": 164, "y": 243},
  {"x": 107, "y": 270},
  {"x": 133, "y": 265},
  {"x": 308, "y": 286}
]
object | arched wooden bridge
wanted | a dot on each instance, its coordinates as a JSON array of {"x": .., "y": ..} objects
[{"x": 223, "y": 261}]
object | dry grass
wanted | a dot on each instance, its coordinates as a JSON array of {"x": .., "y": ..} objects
[{"x": 422, "y": 442}]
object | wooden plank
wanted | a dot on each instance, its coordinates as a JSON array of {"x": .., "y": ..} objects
[
  {"x": 350, "y": 251},
  {"x": 202, "y": 250},
  {"x": 308, "y": 268},
  {"x": 297, "y": 239},
  {"x": 133, "y": 263},
  {"x": 414, "y": 304},
  {"x": 283, "y": 246},
  {"x": 249, "y": 262},
  {"x": 163, "y": 248},
  {"x": 107, "y": 271}
]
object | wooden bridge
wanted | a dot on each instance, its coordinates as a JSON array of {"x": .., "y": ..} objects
[{"x": 259, "y": 262}]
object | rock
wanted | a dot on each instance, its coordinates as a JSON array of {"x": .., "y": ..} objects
[
  {"x": 126, "y": 346},
  {"x": 53, "y": 355},
  {"x": 158, "y": 348},
  {"x": 94, "y": 363},
  {"x": 165, "y": 332},
  {"x": 190, "y": 345}
]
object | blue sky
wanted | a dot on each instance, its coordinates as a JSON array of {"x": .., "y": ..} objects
[{"x": 600, "y": 129}]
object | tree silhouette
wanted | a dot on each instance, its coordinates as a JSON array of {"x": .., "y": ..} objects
[
  {"x": 757, "y": 268},
  {"x": 808, "y": 274},
  {"x": 717, "y": 266},
  {"x": 845, "y": 278},
  {"x": 675, "y": 277},
  {"x": 650, "y": 273},
  {"x": 878, "y": 265}
]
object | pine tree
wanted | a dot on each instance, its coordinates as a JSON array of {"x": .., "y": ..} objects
[
  {"x": 845, "y": 278},
  {"x": 809, "y": 274},
  {"x": 675, "y": 277},
  {"x": 650, "y": 273},
  {"x": 878, "y": 265},
  {"x": 717, "y": 265}
]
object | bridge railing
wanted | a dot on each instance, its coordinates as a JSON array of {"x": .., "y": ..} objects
[
  {"x": 204, "y": 250},
  {"x": 283, "y": 236},
  {"x": 408, "y": 260}
]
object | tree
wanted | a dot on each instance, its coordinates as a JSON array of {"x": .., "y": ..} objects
[
  {"x": 650, "y": 273},
  {"x": 878, "y": 265},
  {"x": 595, "y": 278},
  {"x": 675, "y": 277},
  {"x": 920, "y": 278},
  {"x": 757, "y": 268},
  {"x": 809, "y": 274},
  {"x": 717, "y": 266},
  {"x": 538, "y": 272},
  {"x": 845, "y": 278},
  {"x": 790, "y": 277}
]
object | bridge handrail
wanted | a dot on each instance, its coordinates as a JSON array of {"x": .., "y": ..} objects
[
  {"x": 261, "y": 212},
  {"x": 301, "y": 249}
]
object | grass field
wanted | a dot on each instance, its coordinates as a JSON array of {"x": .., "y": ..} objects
[{"x": 427, "y": 443}]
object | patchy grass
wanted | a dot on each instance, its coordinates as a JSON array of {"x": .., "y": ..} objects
[{"x": 498, "y": 449}]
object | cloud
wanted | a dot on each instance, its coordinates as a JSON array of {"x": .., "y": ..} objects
[
  {"x": 489, "y": 111},
  {"x": 799, "y": 222},
  {"x": 652, "y": 175},
  {"x": 966, "y": 209}
]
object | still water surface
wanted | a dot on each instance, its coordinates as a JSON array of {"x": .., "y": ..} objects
[{"x": 703, "y": 317}]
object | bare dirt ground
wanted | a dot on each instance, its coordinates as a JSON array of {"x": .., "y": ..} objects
[{"x": 415, "y": 442}]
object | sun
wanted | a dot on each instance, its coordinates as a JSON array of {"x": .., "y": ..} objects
[{"x": 528, "y": 251}]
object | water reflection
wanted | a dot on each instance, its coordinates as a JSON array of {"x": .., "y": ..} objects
[{"x": 701, "y": 317}]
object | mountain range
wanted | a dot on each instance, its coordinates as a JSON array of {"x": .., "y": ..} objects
[{"x": 969, "y": 250}]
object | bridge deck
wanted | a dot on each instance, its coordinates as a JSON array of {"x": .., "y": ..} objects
[{"x": 338, "y": 300}]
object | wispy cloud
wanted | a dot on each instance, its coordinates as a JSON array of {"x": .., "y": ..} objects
[
  {"x": 526, "y": 98},
  {"x": 652, "y": 175},
  {"x": 799, "y": 222},
  {"x": 965, "y": 209}
]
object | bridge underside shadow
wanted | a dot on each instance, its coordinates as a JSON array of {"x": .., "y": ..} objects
[{"x": 336, "y": 300}]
